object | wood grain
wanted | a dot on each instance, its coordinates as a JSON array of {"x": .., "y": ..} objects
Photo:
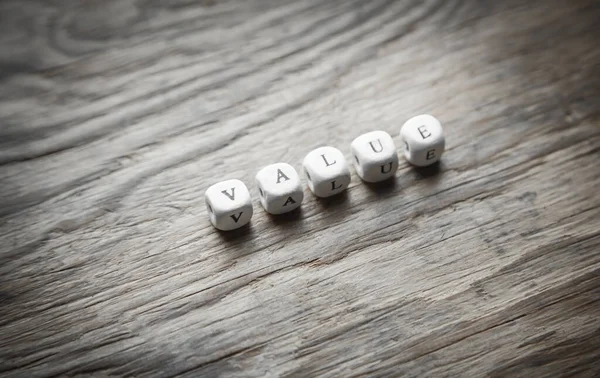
[{"x": 116, "y": 115}]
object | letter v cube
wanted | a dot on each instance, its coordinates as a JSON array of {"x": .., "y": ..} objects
[{"x": 229, "y": 204}]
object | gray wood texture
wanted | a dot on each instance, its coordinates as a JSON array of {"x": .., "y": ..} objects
[{"x": 115, "y": 116}]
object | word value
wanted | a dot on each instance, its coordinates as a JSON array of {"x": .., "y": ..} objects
[{"x": 229, "y": 202}]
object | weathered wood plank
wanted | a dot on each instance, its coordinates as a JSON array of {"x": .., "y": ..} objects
[{"x": 117, "y": 115}]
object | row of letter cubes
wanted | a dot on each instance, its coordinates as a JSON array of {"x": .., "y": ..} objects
[{"x": 375, "y": 158}]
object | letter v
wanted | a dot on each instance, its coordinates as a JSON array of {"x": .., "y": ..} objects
[{"x": 232, "y": 195}]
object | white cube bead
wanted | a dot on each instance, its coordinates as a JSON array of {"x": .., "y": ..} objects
[
  {"x": 375, "y": 156},
  {"x": 279, "y": 188},
  {"x": 423, "y": 139},
  {"x": 229, "y": 204},
  {"x": 327, "y": 171}
]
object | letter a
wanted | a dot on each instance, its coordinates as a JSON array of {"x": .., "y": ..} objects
[
  {"x": 281, "y": 175},
  {"x": 232, "y": 195},
  {"x": 289, "y": 200}
]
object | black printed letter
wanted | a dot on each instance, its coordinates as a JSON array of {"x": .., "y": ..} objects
[
  {"x": 383, "y": 168},
  {"x": 423, "y": 131},
  {"x": 333, "y": 187},
  {"x": 326, "y": 162},
  {"x": 289, "y": 200},
  {"x": 232, "y": 195},
  {"x": 380, "y": 146},
  {"x": 430, "y": 154},
  {"x": 281, "y": 175},
  {"x": 238, "y": 217}
]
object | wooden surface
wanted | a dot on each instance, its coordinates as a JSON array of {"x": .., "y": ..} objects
[{"x": 115, "y": 116}]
